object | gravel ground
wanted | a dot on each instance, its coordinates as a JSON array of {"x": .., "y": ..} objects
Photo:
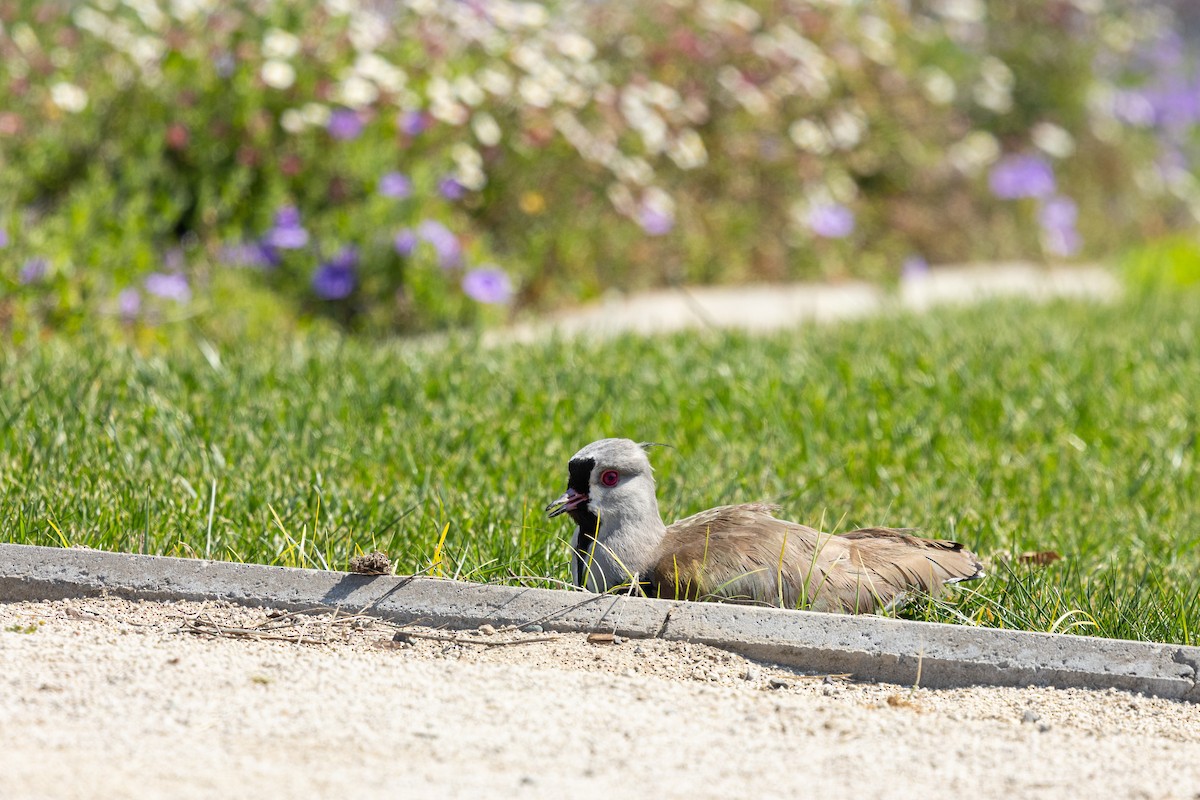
[{"x": 109, "y": 698}]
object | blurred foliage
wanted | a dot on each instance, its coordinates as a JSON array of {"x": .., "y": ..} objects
[
  {"x": 149, "y": 150},
  {"x": 1168, "y": 264}
]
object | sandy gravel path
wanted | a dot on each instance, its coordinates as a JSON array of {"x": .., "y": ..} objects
[{"x": 107, "y": 698}]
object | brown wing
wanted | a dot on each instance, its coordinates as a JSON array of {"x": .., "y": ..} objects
[
  {"x": 744, "y": 554},
  {"x": 903, "y": 563}
]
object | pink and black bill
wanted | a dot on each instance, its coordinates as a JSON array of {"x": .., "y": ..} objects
[{"x": 574, "y": 501}]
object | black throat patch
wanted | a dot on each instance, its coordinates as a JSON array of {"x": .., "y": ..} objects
[{"x": 579, "y": 479}]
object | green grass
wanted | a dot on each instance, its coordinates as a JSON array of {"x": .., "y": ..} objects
[{"x": 1008, "y": 427}]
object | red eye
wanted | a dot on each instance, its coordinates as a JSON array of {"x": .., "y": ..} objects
[{"x": 609, "y": 477}]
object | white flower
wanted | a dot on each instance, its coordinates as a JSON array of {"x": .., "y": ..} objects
[
  {"x": 937, "y": 85},
  {"x": 532, "y": 15},
  {"x": 995, "y": 72},
  {"x": 716, "y": 13},
  {"x": 471, "y": 178},
  {"x": 486, "y": 129},
  {"x": 687, "y": 150},
  {"x": 994, "y": 90},
  {"x": 654, "y": 133},
  {"x": 68, "y": 97},
  {"x": 974, "y": 152},
  {"x": 534, "y": 92},
  {"x": 494, "y": 81},
  {"x": 448, "y": 111},
  {"x": 993, "y": 98},
  {"x": 278, "y": 74},
  {"x": 468, "y": 90},
  {"x": 572, "y": 45},
  {"x": 151, "y": 15},
  {"x": 356, "y": 91},
  {"x": 367, "y": 31},
  {"x": 663, "y": 96},
  {"x": 280, "y": 44},
  {"x": 147, "y": 50},
  {"x": 961, "y": 10},
  {"x": 810, "y": 137},
  {"x": 386, "y": 75},
  {"x": 877, "y": 41},
  {"x": 315, "y": 114},
  {"x": 528, "y": 57},
  {"x": 91, "y": 20},
  {"x": 24, "y": 38},
  {"x": 292, "y": 120},
  {"x": 622, "y": 199},
  {"x": 743, "y": 16},
  {"x": 634, "y": 170},
  {"x": 468, "y": 166},
  {"x": 1053, "y": 140},
  {"x": 465, "y": 156},
  {"x": 847, "y": 127},
  {"x": 187, "y": 10},
  {"x": 438, "y": 90}
]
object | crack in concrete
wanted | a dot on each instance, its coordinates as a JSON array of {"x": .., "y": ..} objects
[{"x": 662, "y": 629}]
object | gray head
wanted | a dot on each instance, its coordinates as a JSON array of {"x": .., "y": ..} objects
[
  {"x": 599, "y": 475},
  {"x": 610, "y": 496}
]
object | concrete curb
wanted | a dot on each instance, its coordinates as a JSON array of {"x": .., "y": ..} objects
[{"x": 870, "y": 648}]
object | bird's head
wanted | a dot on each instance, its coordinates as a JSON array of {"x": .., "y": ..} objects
[{"x": 608, "y": 479}]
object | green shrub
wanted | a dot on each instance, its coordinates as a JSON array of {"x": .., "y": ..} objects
[{"x": 590, "y": 146}]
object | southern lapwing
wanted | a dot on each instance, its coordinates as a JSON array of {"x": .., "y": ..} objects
[{"x": 740, "y": 553}]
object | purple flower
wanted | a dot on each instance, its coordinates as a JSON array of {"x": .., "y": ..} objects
[
  {"x": 1058, "y": 212},
  {"x": 655, "y": 220},
  {"x": 256, "y": 255},
  {"x": 1177, "y": 105},
  {"x": 1133, "y": 107},
  {"x": 488, "y": 284},
  {"x": 33, "y": 271},
  {"x": 405, "y": 242},
  {"x": 411, "y": 122},
  {"x": 1057, "y": 217},
  {"x": 395, "y": 184},
  {"x": 170, "y": 286},
  {"x": 449, "y": 251},
  {"x": 336, "y": 279},
  {"x": 3, "y": 238},
  {"x": 344, "y": 124},
  {"x": 831, "y": 220},
  {"x": 287, "y": 217},
  {"x": 288, "y": 234},
  {"x": 129, "y": 303},
  {"x": 1020, "y": 176},
  {"x": 450, "y": 188}
]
